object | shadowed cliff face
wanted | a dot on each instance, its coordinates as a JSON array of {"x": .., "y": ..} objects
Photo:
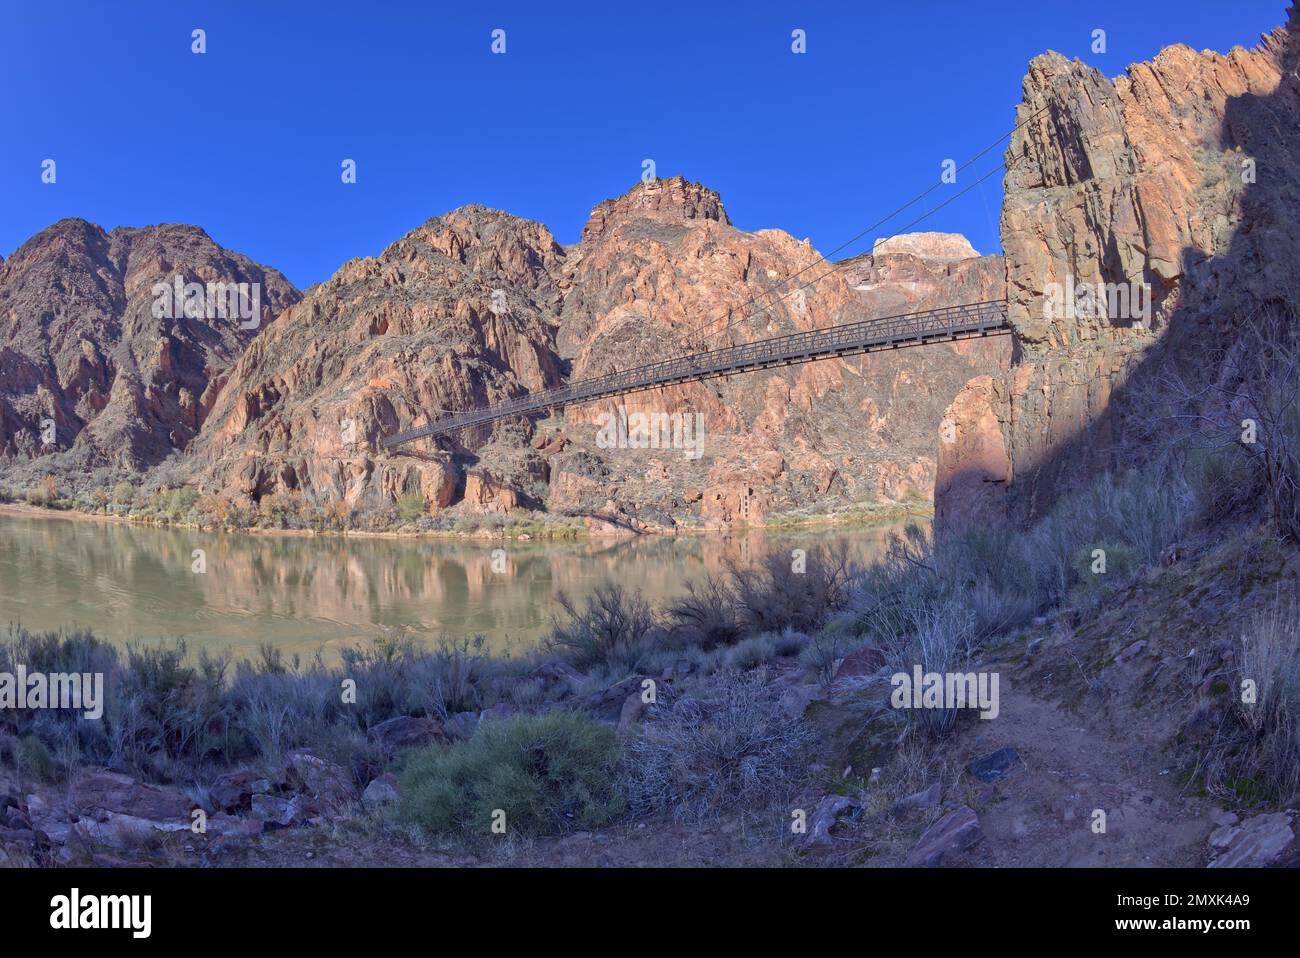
[
  {"x": 85, "y": 349},
  {"x": 1178, "y": 178}
]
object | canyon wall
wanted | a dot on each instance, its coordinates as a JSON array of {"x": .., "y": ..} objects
[
  {"x": 469, "y": 309},
  {"x": 477, "y": 306}
]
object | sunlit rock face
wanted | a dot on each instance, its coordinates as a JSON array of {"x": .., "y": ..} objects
[
  {"x": 457, "y": 313},
  {"x": 478, "y": 306},
  {"x": 661, "y": 271}
]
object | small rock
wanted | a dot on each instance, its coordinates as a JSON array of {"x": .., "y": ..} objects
[
  {"x": 928, "y": 798},
  {"x": 954, "y": 833},
  {"x": 282, "y": 812},
  {"x": 994, "y": 766},
  {"x": 827, "y": 814},
  {"x": 381, "y": 791},
  {"x": 1131, "y": 652}
]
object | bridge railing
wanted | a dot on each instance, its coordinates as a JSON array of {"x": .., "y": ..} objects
[{"x": 888, "y": 330}]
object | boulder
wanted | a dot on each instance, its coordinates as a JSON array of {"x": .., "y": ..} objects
[
  {"x": 1254, "y": 843},
  {"x": 607, "y": 705},
  {"x": 122, "y": 795},
  {"x": 861, "y": 662},
  {"x": 381, "y": 791},
  {"x": 234, "y": 790},
  {"x": 320, "y": 779},
  {"x": 406, "y": 731}
]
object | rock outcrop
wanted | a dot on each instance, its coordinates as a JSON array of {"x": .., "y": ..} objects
[
  {"x": 99, "y": 363},
  {"x": 473, "y": 308}
]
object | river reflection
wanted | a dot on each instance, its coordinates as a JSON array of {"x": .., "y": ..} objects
[{"x": 304, "y": 593}]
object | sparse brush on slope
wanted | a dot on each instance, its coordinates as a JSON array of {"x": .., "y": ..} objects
[
  {"x": 735, "y": 747},
  {"x": 1257, "y": 757}
]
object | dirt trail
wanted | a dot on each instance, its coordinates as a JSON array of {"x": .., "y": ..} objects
[{"x": 1041, "y": 812}]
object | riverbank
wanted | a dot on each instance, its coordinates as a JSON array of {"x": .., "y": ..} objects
[{"x": 512, "y": 527}]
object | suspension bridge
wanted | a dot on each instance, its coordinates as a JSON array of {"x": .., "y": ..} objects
[{"x": 946, "y": 324}]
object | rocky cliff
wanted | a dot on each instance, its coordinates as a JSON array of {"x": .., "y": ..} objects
[
  {"x": 100, "y": 364},
  {"x": 661, "y": 271},
  {"x": 1169, "y": 197}
]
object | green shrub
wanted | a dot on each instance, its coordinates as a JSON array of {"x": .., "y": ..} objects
[
  {"x": 410, "y": 507},
  {"x": 752, "y": 652},
  {"x": 34, "y": 759},
  {"x": 548, "y": 774}
]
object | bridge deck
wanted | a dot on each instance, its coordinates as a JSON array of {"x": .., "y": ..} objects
[{"x": 890, "y": 332}]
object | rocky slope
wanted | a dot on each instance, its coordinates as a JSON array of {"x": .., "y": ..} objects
[
  {"x": 458, "y": 312},
  {"x": 1177, "y": 178},
  {"x": 83, "y": 346}
]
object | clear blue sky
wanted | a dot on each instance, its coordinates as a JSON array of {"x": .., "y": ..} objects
[{"x": 246, "y": 140}]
